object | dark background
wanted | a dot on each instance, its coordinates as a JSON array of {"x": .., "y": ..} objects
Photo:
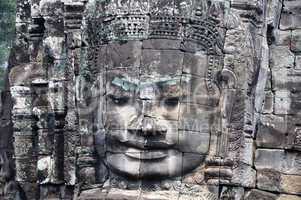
[{"x": 7, "y": 33}]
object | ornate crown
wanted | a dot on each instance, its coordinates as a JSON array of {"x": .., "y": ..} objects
[{"x": 198, "y": 21}]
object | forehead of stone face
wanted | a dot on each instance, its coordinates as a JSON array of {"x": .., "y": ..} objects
[
  {"x": 120, "y": 55},
  {"x": 161, "y": 62}
]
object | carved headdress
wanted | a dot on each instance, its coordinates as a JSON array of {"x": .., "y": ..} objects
[
  {"x": 198, "y": 25},
  {"x": 187, "y": 20}
]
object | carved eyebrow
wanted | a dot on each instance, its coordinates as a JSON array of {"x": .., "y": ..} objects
[
  {"x": 128, "y": 85},
  {"x": 124, "y": 84}
]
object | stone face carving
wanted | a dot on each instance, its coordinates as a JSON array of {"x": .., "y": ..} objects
[
  {"x": 153, "y": 122},
  {"x": 158, "y": 79},
  {"x": 164, "y": 99}
]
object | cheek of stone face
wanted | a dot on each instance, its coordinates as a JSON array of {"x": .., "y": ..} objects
[
  {"x": 196, "y": 118},
  {"x": 167, "y": 109},
  {"x": 194, "y": 142},
  {"x": 120, "y": 117}
]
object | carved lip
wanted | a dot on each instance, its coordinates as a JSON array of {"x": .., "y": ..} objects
[
  {"x": 147, "y": 145},
  {"x": 146, "y": 154}
]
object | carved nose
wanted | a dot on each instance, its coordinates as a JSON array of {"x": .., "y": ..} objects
[
  {"x": 148, "y": 127},
  {"x": 151, "y": 128}
]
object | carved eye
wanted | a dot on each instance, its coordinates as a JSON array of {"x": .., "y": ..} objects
[
  {"x": 120, "y": 101},
  {"x": 171, "y": 102}
]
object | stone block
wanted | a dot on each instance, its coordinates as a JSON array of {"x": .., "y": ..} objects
[
  {"x": 258, "y": 194},
  {"x": 283, "y": 102},
  {"x": 271, "y": 180},
  {"x": 296, "y": 40},
  {"x": 290, "y": 16},
  {"x": 268, "y": 180},
  {"x": 268, "y": 103},
  {"x": 283, "y": 38},
  {"x": 290, "y": 184},
  {"x": 288, "y": 197},
  {"x": 272, "y": 131},
  {"x": 281, "y": 57},
  {"x": 280, "y": 160},
  {"x": 298, "y": 63}
]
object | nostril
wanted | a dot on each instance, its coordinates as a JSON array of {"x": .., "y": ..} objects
[{"x": 147, "y": 128}]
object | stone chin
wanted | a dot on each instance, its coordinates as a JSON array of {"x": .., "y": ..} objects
[{"x": 164, "y": 164}]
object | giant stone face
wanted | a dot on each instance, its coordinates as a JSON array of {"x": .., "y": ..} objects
[{"x": 157, "y": 112}]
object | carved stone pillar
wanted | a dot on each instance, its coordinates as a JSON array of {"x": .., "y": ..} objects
[
  {"x": 82, "y": 140},
  {"x": 25, "y": 140}
]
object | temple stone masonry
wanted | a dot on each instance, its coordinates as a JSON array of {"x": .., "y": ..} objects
[{"x": 153, "y": 100}]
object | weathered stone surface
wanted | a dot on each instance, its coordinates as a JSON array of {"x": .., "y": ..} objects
[
  {"x": 298, "y": 63},
  {"x": 296, "y": 41},
  {"x": 245, "y": 176},
  {"x": 258, "y": 194},
  {"x": 271, "y": 180},
  {"x": 283, "y": 102},
  {"x": 289, "y": 197},
  {"x": 281, "y": 58},
  {"x": 268, "y": 106},
  {"x": 279, "y": 160},
  {"x": 290, "y": 17},
  {"x": 283, "y": 38},
  {"x": 268, "y": 180},
  {"x": 272, "y": 131},
  {"x": 290, "y": 184}
]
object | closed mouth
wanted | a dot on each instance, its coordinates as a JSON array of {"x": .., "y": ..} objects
[
  {"x": 146, "y": 154},
  {"x": 143, "y": 149}
]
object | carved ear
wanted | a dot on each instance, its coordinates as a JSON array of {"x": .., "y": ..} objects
[
  {"x": 227, "y": 82},
  {"x": 227, "y": 79}
]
